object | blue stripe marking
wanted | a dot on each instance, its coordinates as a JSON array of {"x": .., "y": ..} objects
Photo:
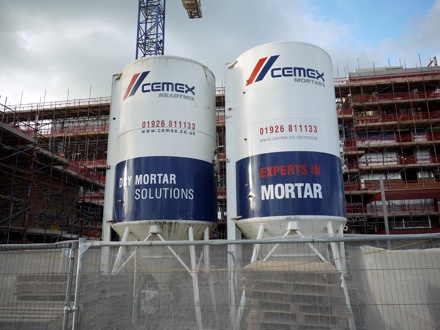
[
  {"x": 257, "y": 171},
  {"x": 187, "y": 193}
]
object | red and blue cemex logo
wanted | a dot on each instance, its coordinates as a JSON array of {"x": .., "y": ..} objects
[
  {"x": 300, "y": 74},
  {"x": 263, "y": 65},
  {"x": 166, "y": 89},
  {"x": 134, "y": 84}
]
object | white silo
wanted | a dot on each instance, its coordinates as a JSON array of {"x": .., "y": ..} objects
[
  {"x": 286, "y": 167},
  {"x": 165, "y": 146}
]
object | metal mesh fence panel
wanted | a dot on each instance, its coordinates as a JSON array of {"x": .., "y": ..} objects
[
  {"x": 382, "y": 285},
  {"x": 397, "y": 287},
  {"x": 287, "y": 284},
  {"x": 33, "y": 286},
  {"x": 155, "y": 287}
]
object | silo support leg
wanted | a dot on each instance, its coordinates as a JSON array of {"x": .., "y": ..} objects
[
  {"x": 254, "y": 258},
  {"x": 121, "y": 252},
  {"x": 193, "y": 273},
  {"x": 210, "y": 279},
  {"x": 175, "y": 254},
  {"x": 335, "y": 248},
  {"x": 293, "y": 228},
  {"x": 342, "y": 249},
  {"x": 312, "y": 247},
  {"x": 276, "y": 246},
  {"x": 257, "y": 246}
]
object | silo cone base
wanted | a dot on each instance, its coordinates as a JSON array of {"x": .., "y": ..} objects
[
  {"x": 278, "y": 226},
  {"x": 170, "y": 230},
  {"x": 294, "y": 227}
]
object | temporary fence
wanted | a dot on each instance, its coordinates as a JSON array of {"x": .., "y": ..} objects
[{"x": 382, "y": 282}]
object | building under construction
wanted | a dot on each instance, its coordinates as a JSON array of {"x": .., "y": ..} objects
[
  {"x": 53, "y": 159},
  {"x": 389, "y": 128}
]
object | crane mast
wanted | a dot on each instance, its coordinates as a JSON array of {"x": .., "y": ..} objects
[
  {"x": 151, "y": 28},
  {"x": 151, "y": 25}
]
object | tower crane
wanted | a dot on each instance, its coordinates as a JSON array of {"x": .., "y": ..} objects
[{"x": 151, "y": 25}]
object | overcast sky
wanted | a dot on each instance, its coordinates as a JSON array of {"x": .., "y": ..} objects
[{"x": 51, "y": 50}]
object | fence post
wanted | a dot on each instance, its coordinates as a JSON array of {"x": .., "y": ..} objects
[
  {"x": 193, "y": 273},
  {"x": 83, "y": 247},
  {"x": 67, "y": 308},
  {"x": 385, "y": 211}
]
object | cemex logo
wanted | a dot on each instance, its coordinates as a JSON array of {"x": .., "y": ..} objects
[
  {"x": 300, "y": 74},
  {"x": 134, "y": 84},
  {"x": 262, "y": 71},
  {"x": 165, "y": 88}
]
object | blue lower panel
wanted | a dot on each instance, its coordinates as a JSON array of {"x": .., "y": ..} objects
[
  {"x": 164, "y": 188},
  {"x": 290, "y": 183}
]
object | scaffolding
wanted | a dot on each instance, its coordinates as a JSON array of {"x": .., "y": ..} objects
[
  {"x": 53, "y": 160},
  {"x": 221, "y": 163},
  {"x": 389, "y": 128}
]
